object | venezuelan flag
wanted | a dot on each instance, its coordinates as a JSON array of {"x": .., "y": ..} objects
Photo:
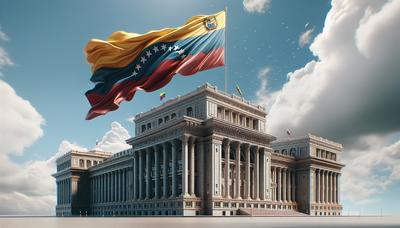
[{"x": 128, "y": 62}]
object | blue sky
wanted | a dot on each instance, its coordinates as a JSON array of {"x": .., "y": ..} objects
[{"x": 46, "y": 41}]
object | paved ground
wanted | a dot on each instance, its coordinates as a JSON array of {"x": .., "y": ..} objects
[{"x": 192, "y": 222}]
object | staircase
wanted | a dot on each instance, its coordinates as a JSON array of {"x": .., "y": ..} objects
[{"x": 266, "y": 212}]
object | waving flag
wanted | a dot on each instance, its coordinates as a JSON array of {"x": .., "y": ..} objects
[{"x": 128, "y": 62}]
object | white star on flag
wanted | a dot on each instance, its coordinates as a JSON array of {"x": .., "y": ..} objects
[
  {"x": 138, "y": 67},
  {"x": 170, "y": 48},
  {"x": 134, "y": 74},
  {"x": 163, "y": 47},
  {"x": 143, "y": 59},
  {"x": 155, "y": 49},
  {"x": 176, "y": 47},
  {"x": 148, "y": 53},
  {"x": 181, "y": 52}
]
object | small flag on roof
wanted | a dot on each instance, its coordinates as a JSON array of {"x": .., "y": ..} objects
[
  {"x": 162, "y": 96},
  {"x": 288, "y": 132},
  {"x": 239, "y": 90}
]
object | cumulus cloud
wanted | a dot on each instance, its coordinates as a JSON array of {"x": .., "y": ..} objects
[
  {"x": 305, "y": 37},
  {"x": 256, "y": 6},
  {"x": 350, "y": 93},
  {"x": 3, "y": 35},
  {"x": 114, "y": 140},
  {"x": 20, "y": 122},
  {"x": 346, "y": 93},
  {"x": 371, "y": 171},
  {"x": 264, "y": 95}
]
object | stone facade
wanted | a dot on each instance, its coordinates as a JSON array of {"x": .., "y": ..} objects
[{"x": 205, "y": 153}]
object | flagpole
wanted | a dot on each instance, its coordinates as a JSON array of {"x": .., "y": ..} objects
[{"x": 225, "y": 50}]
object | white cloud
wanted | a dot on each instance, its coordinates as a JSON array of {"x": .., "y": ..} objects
[
  {"x": 264, "y": 95},
  {"x": 20, "y": 122},
  {"x": 350, "y": 93},
  {"x": 344, "y": 94},
  {"x": 305, "y": 37},
  {"x": 371, "y": 171},
  {"x": 3, "y": 35},
  {"x": 256, "y": 6},
  {"x": 114, "y": 140}
]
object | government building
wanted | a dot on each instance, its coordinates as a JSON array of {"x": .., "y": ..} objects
[{"x": 204, "y": 153}]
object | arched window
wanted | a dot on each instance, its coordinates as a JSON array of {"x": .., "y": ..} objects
[
  {"x": 173, "y": 116},
  {"x": 81, "y": 163},
  {"x": 94, "y": 162},
  {"x": 166, "y": 119},
  {"x": 88, "y": 163},
  {"x": 293, "y": 152},
  {"x": 148, "y": 125},
  {"x": 143, "y": 127},
  {"x": 160, "y": 121},
  {"x": 189, "y": 111}
]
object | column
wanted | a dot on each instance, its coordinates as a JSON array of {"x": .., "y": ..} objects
[
  {"x": 156, "y": 174},
  {"x": 257, "y": 174},
  {"x": 247, "y": 149},
  {"x": 293, "y": 186},
  {"x": 237, "y": 186},
  {"x": 317, "y": 186},
  {"x": 200, "y": 176},
  {"x": 273, "y": 183},
  {"x": 148, "y": 176},
  {"x": 334, "y": 188},
  {"x": 289, "y": 186},
  {"x": 227, "y": 158},
  {"x": 279, "y": 184},
  {"x": 338, "y": 188},
  {"x": 326, "y": 187},
  {"x": 263, "y": 173},
  {"x": 165, "y": 170},
  {"x": 284, "y": 182},
  {"x": 331, "y": 187},
  {"x": 192, "y": 168},
  {"x": 174, "y": 175},
  {"x": 118, "y": 184},
  {"x": 135, "y": 174},
  {"x": 323, "y": 187},
  {"x": 185, "y": 186},
  {"x": 124, "y": 185},
  {"x": 141, "y": 174},
  {"x": 113, "y": 186}
]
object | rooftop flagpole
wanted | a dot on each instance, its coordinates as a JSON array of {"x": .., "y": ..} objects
[{"x": 225, "y": 49}]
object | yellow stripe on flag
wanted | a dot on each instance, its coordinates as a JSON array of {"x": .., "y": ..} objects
[{"x": 122, "y": 48}]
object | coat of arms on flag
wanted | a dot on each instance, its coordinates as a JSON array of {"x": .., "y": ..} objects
[{"x": 128, "y": 62}]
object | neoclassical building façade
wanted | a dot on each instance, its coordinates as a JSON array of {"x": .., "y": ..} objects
[{"x": 204, "y": 153}]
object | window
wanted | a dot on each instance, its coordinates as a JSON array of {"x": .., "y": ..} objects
[
  {"x": 88, "y": 163},
  {"x": 255, "y": 124},
  {"x": 148, "y": 125},
  {"x": 234, "y": 116},
  {"x": 143, "y": 127},
  {"x": 173, "y": 116},
  {"x": 189, "y": 111},
  {"x": 241, "y": 120},
  {"x": 81, "y": 163},
  {"x": 219, "y": 113},
  {"x": 94, "y": 162},
  {"x": 247, "y": 122},
  {"x": 166, "y": 119},
  {"x": 227, "y": 115},
  {"x": 160, "y": 121}
]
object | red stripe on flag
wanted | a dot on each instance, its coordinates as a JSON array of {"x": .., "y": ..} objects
[{"x": 158, "y": 79}]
